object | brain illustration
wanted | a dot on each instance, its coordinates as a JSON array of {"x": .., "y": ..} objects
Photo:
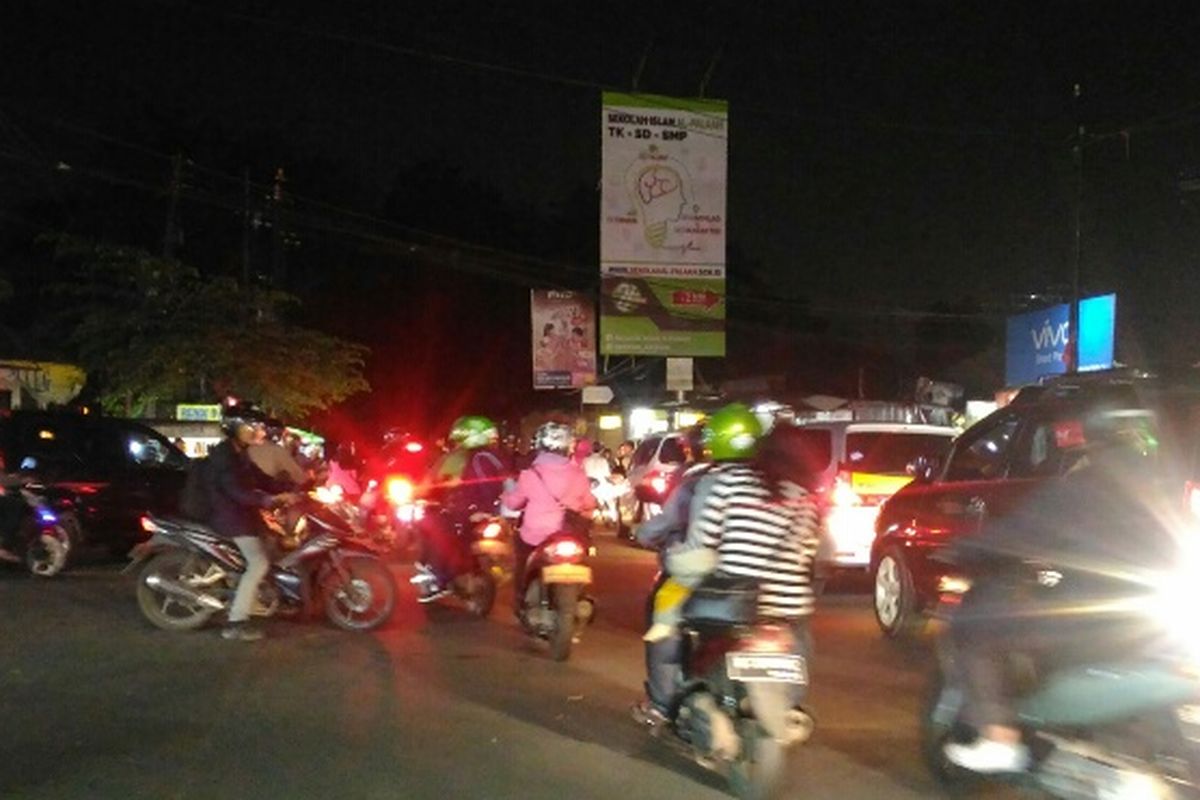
[
  {"x": 627, "y": 297},
  {"x": 654, "y": 182}
]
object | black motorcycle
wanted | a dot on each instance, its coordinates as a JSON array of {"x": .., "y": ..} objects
[
  {"x": 556, "y": 605},
  {"x": 738, "y": 709},
  {"x": 188, "y": 574},
  {"x": 42, "y": 540},
  {"x": 484, "y": 544}
]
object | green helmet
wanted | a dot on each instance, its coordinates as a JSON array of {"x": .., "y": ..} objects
[
  {"x": 473, "y": 432},
  {"x": 732, "y": 433}
]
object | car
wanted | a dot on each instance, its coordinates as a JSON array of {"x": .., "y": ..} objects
[
  {"x": 859, "y": 465},
  {"x": 655, "y": 464},
  {"x": 107, "y": 472},
  {"x": 992, "y": 467}
]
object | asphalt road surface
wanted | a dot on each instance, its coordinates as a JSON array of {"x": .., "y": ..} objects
[{"x": 94, "y": 703}]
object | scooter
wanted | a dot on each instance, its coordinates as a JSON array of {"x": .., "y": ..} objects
[
  {"x": 738, "y": 710},
  {"x": 556, "y": 605},
  {"x": 42, "y": 541},
  {"x": 1126, "y": 728},
  {"x": 485, "y": 546}
]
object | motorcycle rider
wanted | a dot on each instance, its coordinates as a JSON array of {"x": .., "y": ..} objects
[
  {"x": 551, "y": 484},
  {"x": 273, "y": 460},
  {"x": 1100, "y": 521},
  {"x": 752, "y": 508},
  {"x": 467, "y": 480},
  {"x": 234, "y": 504}
]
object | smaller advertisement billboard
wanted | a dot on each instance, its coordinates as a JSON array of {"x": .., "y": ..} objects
[
  {"x": 564, "y": 339},
  {"x": 1037, "y": 341}
]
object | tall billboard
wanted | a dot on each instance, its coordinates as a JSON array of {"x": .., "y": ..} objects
[
  {"x": 1037, "y": 341},
  {"x": 564, "y": 339},
  {"x": 662, "y": 225}
]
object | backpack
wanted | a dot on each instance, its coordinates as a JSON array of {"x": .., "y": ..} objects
[{"x": 195, "y": 502}]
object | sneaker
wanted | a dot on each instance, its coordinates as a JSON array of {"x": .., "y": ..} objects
[
  {"x": 241, "y": 633},
  {"x": 988, "y": 756},
  {"x": 646, "y": 713},
  {"x": 434, "y": 594}
]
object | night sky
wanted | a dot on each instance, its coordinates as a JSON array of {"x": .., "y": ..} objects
[{"x": 885, "y": 158}]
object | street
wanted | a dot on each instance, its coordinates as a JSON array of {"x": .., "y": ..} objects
[{"x": 96, "y": 703}]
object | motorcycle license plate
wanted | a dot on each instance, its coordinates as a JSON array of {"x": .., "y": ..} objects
[
  {"x": 491, "y": 547},
  {"x": 766, "y": 668},
  {"x": 566, "y": 573}
]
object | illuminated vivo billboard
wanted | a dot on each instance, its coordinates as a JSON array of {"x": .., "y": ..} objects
[{"x": 1037, "y": 340}]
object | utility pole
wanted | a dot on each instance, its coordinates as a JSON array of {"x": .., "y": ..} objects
[
  {"x": 1077, "y": 253},
  {"x": 171, "y": 232},
  {"x": 245, "y": 226},
  {"x": 278, "y": 263}
]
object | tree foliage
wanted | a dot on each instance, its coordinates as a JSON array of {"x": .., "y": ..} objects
[{"x": 149, "y": 329}]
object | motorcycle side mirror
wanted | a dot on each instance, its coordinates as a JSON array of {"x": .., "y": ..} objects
[{"x": 922, "y": 468}]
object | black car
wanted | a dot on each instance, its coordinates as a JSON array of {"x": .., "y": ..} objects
[
  {"x": 105, "y": 473},
  {"x": 993, "y": 466}
]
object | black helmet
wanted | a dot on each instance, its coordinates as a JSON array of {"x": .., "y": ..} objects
[{"x": 236, "y": 417}]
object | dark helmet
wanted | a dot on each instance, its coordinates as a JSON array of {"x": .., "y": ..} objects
[{"x": 236, "y": 417}]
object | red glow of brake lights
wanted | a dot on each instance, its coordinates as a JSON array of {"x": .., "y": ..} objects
[
  {"x": 148, "y": 525},
  {"x": 399, "y": 490},
  {"x": 565, "y": 550},
  {"x": 659, "y": 484},
  {"x": 414, "y": 447}
]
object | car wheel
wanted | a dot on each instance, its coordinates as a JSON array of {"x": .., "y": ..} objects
[{"x": 895, "y": 597}]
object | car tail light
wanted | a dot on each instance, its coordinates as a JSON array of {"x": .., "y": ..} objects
[
  {"x": 148, "y": 525},
  {"x": 659, "y": 484},
  {"x": 399, "y": 490},
  {"x": 492, "y": 530},
  {"x": 414, "y": 447},
  {"x": 843, "y": 494},
  {"x": 565, "y": 550}
]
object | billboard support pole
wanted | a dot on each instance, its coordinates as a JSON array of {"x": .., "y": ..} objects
[{"x": 1077, "y": 253}]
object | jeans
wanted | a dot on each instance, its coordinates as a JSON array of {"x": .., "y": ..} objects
[{"x": 257, "y": 564}]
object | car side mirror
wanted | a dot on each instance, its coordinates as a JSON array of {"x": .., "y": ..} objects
[{"x": 922, "y": 468}]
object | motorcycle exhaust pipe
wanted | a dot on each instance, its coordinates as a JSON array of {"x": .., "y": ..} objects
[{"x": 187, "y": 593}]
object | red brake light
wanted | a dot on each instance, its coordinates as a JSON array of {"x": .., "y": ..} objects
[
  {"x": 399, "y": 490},
  {"x": 414, "y": 447},
  {"x": 659, "y": 484},
  {"x": 565, "y": 550},
  {"x": 148, "y": 525}
]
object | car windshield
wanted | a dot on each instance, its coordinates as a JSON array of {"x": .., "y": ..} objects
[{"x": 885, "y": 452}]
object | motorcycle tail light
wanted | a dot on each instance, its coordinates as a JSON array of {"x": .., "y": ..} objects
[
  {"x": 410, "y": 512},
  {"x": 414, "y": 447},
  {"x": 659, "y": 484},
  {"x": 148, "y": 525},
  {"x": 769, "y": 639},
  {"x": 399, "y": 490},
  {"x": 492, "y": 530},
  {"x": 565, "y": 550}
]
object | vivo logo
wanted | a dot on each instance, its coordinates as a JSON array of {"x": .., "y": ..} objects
[{"x": 1049, "y": 336}]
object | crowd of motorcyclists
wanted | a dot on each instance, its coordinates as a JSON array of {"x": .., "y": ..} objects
[{"x": 745, "y": 512}]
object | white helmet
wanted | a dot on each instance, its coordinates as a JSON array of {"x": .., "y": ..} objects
[{"x": 553, "y": 437}]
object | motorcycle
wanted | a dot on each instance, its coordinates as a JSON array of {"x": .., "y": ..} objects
[
  {"x": 43, "y": 540},
  {"x": 738, "y": 709},
  {"x": 187, "y": 574},
  {"x": 556, "y": 605},
  {"x": 489, "y": 548},
  {"x": 1125, "y": 728}
]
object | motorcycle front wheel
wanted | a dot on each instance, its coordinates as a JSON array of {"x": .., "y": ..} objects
[
  {"x": 165, "y": 610},
  {"x": 566, "y": 598},
  {"x": 362, "y": 600}
]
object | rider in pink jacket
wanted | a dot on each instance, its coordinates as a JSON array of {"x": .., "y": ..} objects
[{"x": 552, "y": 483}]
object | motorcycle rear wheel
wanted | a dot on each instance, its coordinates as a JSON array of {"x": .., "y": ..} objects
[
  {"x": 758, "y": 772},
  {"x": 176, "y": 565},
  {"x": 364, "y": 601},
  {"x": 566, "y": 598},
  {"x": 49, "y": 552},
  {"x": 481, "y": 595}
]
